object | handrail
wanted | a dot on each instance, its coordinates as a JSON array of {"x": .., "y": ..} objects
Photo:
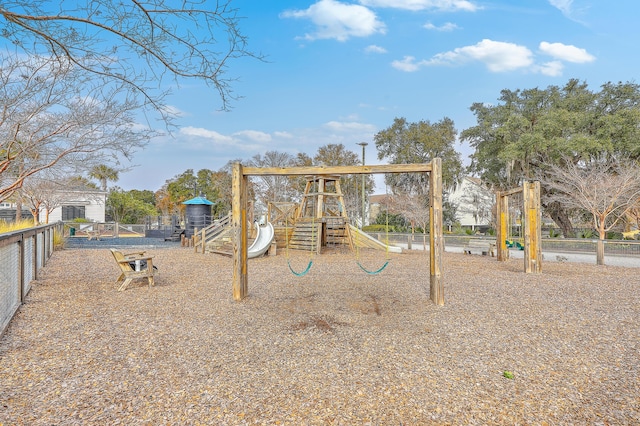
[{"x": 210, "y": 233}]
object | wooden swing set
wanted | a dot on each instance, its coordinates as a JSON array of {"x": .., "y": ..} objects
[{"x": 240, "y": 176}]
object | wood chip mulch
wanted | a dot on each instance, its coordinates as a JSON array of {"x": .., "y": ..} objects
[{"x": 336, "y": 346}]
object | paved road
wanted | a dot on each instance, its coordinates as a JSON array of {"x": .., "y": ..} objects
[{"x": 548, "y": 256}]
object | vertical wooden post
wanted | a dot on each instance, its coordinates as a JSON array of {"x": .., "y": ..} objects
[
  {"x": 436, "y": 239},
  {"x": 532, "y": 228},
  {"x": 320, "y": 197},
  {"x": 239, "y": 224},
  {"x": 321, "y": 188},
  {"x": 502, "y": 211}
]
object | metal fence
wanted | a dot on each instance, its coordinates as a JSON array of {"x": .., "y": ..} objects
[
  {"x": 22, "y": 254},
  {"x": 561, "y": 245}
]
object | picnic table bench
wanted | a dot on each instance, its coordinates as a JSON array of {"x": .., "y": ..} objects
[{"x": 483, "y": 247}]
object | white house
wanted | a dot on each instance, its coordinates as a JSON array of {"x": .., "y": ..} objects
[
  {"x": 474, "y": 203},
  {"x": 75, "y": 203}
]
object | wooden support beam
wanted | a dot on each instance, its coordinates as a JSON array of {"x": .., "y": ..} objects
[
  {"x": 337, "y": 170},
  {"x": 512, "y": 191},
  {"x": 436, "y": 238},
  {"x": 239, "y": 226},
  {"x": 532, "y": 228},
  {"x": 502, "y": 211}
]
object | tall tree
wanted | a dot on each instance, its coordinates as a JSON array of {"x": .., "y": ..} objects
[
  {"x": 215, "y": 186},
  {"x": 124, "y": 207},
  {"x": 103, "y": 174},
  {"x": 142, "y": 45},
  {"x": 421, "y": 142},
  {"x": 528, "y": 130}
]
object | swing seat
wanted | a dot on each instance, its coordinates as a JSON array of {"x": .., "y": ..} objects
[
  {"x": 380, "y": 269},
  {"x": 300, "y": 274}
]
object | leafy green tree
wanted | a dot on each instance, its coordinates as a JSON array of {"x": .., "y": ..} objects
[
  {"x": 103, "y": 174},
  {"x": 146, "y": 196},
  {"x": 124, "y": 207},
  {"x": 421, "y": 142},
  {"x": 214, "y": 186},
  {"x": 528, "y": 131},
  {"x": 395, "y": 221}
]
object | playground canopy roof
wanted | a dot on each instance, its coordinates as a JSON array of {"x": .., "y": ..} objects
[{"x": 199, "y": 200}]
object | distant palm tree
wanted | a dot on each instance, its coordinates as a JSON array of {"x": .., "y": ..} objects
[{"x": 104, "y": 173}]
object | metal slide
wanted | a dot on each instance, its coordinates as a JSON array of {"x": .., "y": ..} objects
[{"x": 262, "y": 242}]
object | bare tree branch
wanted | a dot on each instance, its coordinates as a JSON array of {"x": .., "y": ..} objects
[{"x": 136, "y": 43}]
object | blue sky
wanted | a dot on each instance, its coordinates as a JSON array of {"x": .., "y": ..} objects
[{"x": 340, "y": 71}]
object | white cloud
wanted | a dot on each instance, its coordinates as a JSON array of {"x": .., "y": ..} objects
[
  {"x": 570, "y": 10},
  {"x": 444, "y": 5},
  {"x": 502, "y": 57},
  {"x": 350, "y": 126},
  {"x": 340, "y": 21},
  {"x": 254, "y": 135},
  {"x": 498, "y": 56},
  {"x": 563, "y": 5},
  {"x": 407, "y": 64},
  {"x": 375, "y": 49},
  {"x": 552, "y": 69},
  {"x": 566, "y": 52},
  {"x": 448, "y": 26},
  {"x": 284, "y": 135},
  {"x": 204, "y": 133}
]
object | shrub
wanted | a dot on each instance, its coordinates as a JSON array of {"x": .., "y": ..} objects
[
  {"x": 377, "y": 228},
  {"x": 14, "y": 226}
]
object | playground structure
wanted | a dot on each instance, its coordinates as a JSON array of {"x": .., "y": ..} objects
[
  {"x": 532, "y": 227},
  {"x": 323, "y": 210},
  {"x": 319, "y": 221}
]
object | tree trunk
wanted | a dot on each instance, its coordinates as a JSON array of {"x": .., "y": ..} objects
[
  {"x": 600, "y": 252},
  {"x": 18, "y": 209},
  {"x": 561, "y": 218},
  {"x": 602, "y": 234}
]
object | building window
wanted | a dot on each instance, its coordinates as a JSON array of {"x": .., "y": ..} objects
[{"x": 72, "y": 212}]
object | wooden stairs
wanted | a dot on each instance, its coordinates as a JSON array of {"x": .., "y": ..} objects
[
  {"x": 215, "y": 238},
  {"x": 305, "y": 235}
]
